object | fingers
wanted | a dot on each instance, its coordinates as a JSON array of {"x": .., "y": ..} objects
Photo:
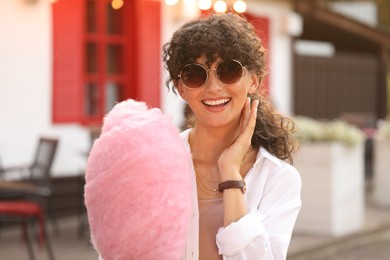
[
  {"x": 233, "y": 156},
  {"x": 252, "y": 118},
  {"x": 249, "y": 120},
  {"x": 253, "y": 115},
  {"x": 245, "y": 114},
  {"x": 250, "y": 115}
]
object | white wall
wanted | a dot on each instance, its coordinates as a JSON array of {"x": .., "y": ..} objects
[{"x": 26, "y": 88}]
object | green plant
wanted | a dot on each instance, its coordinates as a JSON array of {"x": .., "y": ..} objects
[{"x": 311, "y": 130}]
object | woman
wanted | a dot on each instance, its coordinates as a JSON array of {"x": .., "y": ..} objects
[{"x": 246, "y": 197}]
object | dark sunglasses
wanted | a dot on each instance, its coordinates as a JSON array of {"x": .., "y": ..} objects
[{"x": 196, "y": 75}]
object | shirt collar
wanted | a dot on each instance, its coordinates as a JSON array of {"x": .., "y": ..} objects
[
  {"x": 184, "y": 137},
  {"x": 267, "y": 155}
]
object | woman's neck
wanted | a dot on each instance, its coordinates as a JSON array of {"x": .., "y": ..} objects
[{"x": 208, "y": 144}]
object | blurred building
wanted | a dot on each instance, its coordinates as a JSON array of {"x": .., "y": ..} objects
[
  {"x": 348, "y": 77},
  {"x": 65, "y": 63}
]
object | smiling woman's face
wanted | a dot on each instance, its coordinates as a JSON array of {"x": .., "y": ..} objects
[{"x": 216, "y": 104}]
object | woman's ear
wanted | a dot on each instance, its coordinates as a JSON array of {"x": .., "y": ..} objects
[{"x": 255, "y": 82}]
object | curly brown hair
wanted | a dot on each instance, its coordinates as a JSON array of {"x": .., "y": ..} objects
[
  {"x": 273, "y": 131},
  {"x": 231, "y": 36}
]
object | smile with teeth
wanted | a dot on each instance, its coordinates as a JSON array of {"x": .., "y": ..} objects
[{"x": 218, "y": 102}]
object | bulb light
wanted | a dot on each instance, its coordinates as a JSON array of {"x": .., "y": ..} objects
[
  {"x": 204, "y": 4},
  {"x": 116, "y": 4},
  {"x": 239, "y": 6},
  {"x": 220, "y": 6}
]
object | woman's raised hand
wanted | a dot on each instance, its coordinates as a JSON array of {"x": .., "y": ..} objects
[{"x": 231, "y": 159}]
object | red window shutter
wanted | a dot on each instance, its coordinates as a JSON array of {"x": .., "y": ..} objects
[
  {"x": 68, "y": 27},
  {"x": 149, "y": 52},
  {"x": 141, "y": 79}
]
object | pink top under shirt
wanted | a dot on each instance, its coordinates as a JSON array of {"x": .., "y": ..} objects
[{"x": 210, "y": 220}]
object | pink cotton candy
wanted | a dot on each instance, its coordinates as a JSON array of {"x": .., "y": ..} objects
[{"x": 138, "y": 186}]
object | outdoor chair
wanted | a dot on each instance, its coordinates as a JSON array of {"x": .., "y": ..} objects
[
  {"x": 26, "y": 212},
  {"x": 38, "y": 174},
  {"x": 38, "y": 171}
]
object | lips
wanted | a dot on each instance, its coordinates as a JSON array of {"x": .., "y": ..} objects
[{"x": 216, "y": 102}]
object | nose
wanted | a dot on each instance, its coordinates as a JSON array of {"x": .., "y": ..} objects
[{"x": 213, "y": 83}]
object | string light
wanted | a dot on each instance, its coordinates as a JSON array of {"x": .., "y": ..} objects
[
  {"x": 220, "y": 6},
  {"x": 239, "y": 6},
  {"x": 204, "y": 4}
]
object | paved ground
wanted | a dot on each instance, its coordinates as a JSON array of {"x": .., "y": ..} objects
[
  {"x": 68, "y": 245},
  {"x": 372, "y": 243}
]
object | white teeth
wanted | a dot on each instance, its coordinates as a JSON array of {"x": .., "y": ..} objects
[{"x": 216, "y": 102}]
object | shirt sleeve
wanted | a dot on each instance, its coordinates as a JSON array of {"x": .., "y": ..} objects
[{"x": 265, "y": 232}]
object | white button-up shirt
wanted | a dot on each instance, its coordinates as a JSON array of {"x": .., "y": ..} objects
[{"x": 273, "y": 200}]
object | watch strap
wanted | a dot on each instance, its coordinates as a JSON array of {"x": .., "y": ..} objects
[{"x": 232, "y": 184}]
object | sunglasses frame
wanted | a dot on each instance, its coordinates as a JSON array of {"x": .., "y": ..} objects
[{"x": 243, "y": 71}]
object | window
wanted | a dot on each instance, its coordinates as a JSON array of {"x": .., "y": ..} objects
[
  {"x": 105, "y": 52},
  {"x": 102, "y": 56}
]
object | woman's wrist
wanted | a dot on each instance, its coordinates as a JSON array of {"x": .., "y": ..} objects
[
  {"x": 231, "y": 176},
  {"x": 231, "y": 180}
]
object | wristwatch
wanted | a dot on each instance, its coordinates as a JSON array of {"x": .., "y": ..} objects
[{"x": 232, "y": 184}]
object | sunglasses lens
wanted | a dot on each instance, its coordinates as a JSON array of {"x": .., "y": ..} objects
[
  {"x": 193, "y": 75},
  {"x": 229, "y": 71}
]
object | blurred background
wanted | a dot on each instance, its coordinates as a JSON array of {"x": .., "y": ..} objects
[{"x": 65, "y": 63}]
